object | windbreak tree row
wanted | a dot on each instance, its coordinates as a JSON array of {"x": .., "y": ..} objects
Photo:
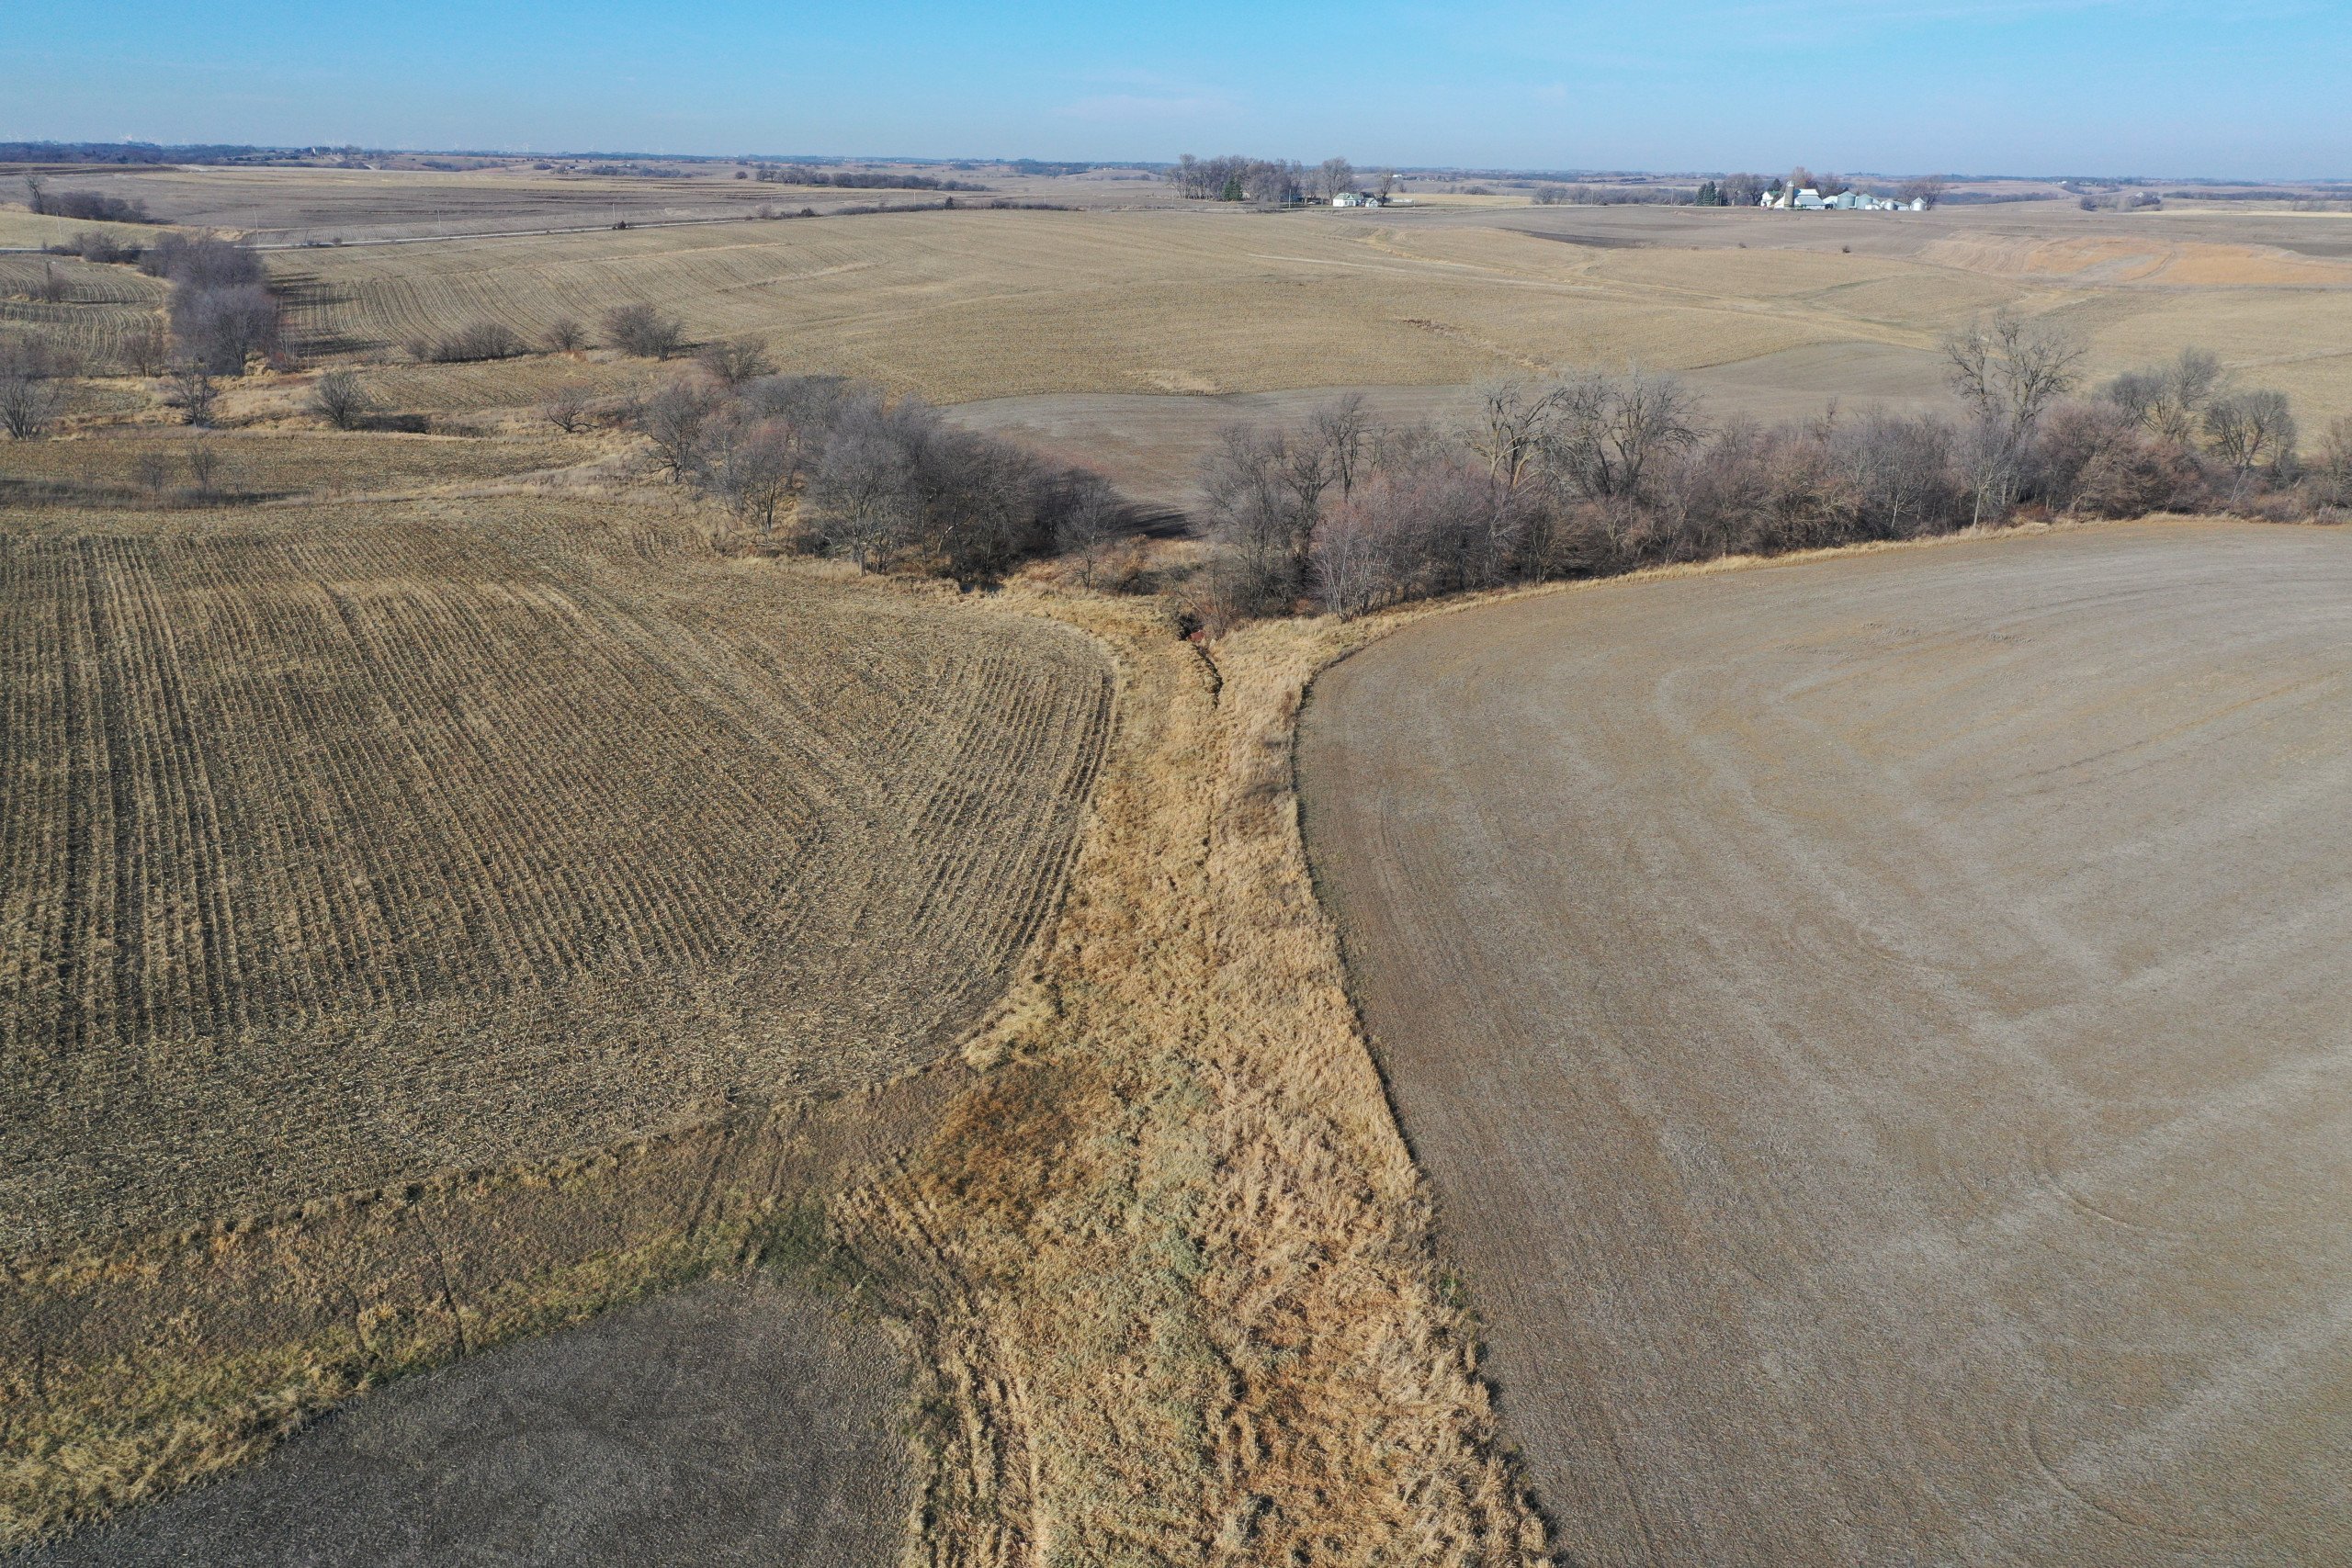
[
  {"x": 1590, "y": 474},
  {"x": 824, "y": 465}
]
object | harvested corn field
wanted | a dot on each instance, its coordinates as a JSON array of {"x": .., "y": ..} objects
[
  {"x": 97, "y": 308},
  {"x": 142, "y": 463},
  {"x": 343, "y": 844},
  {"x": 1877, "y": 1028}
]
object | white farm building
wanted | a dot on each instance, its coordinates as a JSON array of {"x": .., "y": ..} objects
[{"x": 1811, "y": 200}]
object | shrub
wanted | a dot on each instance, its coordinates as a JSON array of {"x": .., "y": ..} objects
[
  {"x": 90, "y": 207},
  {"x": 224, "y": 325},
  {"x": 568, "y": 409},
  {"x": 467, "y": 344},
  {"x": 737, "y": 360},
  {"x": 189, "y": 387},
  {"x": 202, "y": 261},
  {"x": 340, "y": 399},
  {"x": 642, "y": 331},
  {"x": 97, "y": 245}
]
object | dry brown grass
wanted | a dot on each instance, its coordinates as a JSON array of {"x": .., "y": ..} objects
[
  {"x": 1173, "y": 1265},
  {"x": 1160, "y": 1244},
  {"x": 22, "y": 228}
]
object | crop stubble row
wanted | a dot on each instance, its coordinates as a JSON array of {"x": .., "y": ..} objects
[{"x": 349, "y": 846}]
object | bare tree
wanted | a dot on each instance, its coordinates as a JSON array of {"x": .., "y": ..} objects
[
  {"x": 224, "y": 326},
  {"x": 142, "y": 349},
  {"x": 2009, "y": 369},
  {"x": 203, "y": 466},
  {"x": 340, "y": 399},
  {"x": 2332, "y": 470},
  {"x": 1927, "y": 188},
  {"x": 1336, "y": 177},
  {"x": 737, "y": 360},
  {"x": 1606, "y": 435},
  {"x": 1385, "y": 186},
  {"x": 566, "y": 335},
  {"x": 1342, "y": 427},
  {"x": 1261, "y": 492},
  {"x": 674, "y": 420},
  {"x": 860, "y": 491},
  {"x": 755, "y": 475},
  {"x": 1901, "y": 473},
  {"x": 642, "y": 331},
  {"x": 1509, "y": 428},
  {"x": 37, "y": 192},
  {"x": 1349, "y": 575},
  {"x": 2249, "y": 430},
  {"x": 2169, "y": 400},
  {"x": 188, "y": 387},
  {"x": 1991, "y": 460},
  {"x": 1086, "y": 521},
  {"x": 568, "y": 409},
  {"x": 32, "y": 386},
  {"x": 50, "y": 290},
  {"x": 151, "y": 472}
]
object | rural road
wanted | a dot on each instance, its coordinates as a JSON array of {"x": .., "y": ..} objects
[{"x": 1880, "y": 1034}]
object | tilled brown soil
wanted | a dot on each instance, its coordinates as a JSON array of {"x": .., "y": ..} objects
[
  {"x": 1878, "y": 1030},
  {"x": 734, "y": 1423}
]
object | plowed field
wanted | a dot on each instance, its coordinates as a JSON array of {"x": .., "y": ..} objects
[
  {"x": 340, "y": 844},
  {"x": 1879, "y": 1030}
]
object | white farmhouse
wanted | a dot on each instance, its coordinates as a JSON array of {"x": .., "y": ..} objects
[{"x": 1812, "y": 201}]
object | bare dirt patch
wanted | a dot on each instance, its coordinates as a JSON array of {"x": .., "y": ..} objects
[
  {"x": 734, "y": 1422},
  {"x": 1876, "y": 1029}
]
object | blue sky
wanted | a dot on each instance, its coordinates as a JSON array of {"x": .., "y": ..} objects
[{"x": 2031, "y": 86}]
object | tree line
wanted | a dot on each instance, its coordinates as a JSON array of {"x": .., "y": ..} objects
[
  {"x": 1624, "y": 196},
  {"x": 1590, "y": 474},
  {"x": 88, "y": 207},
  {"x": 824, "y": 465},
  {"x": 1272, "y": 181},
  {"x": 803, "y": 174}
]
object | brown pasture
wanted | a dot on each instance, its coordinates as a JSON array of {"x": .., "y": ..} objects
[
  {"x": 1876, "y": 1030},
  {"x": 961, "y": 307}
]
